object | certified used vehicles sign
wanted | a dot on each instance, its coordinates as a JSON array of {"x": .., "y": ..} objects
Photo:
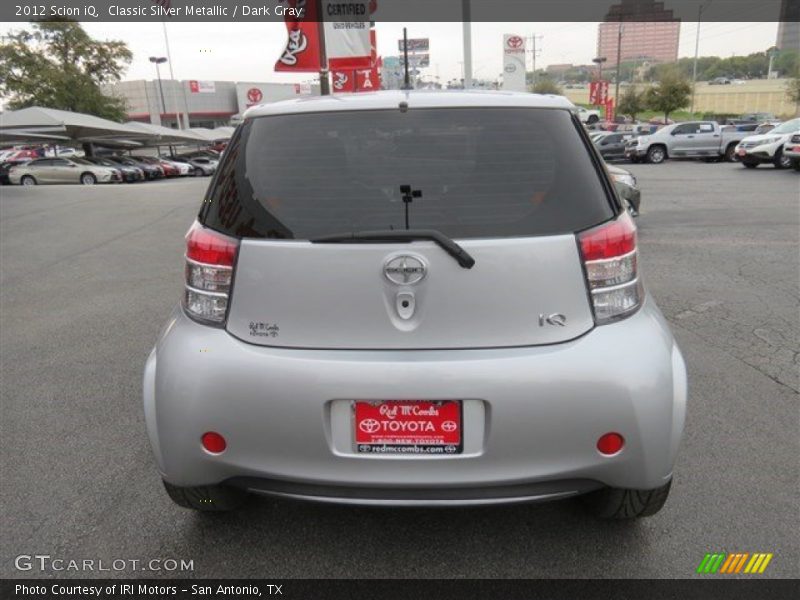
[{"x": 408, "y": 427}]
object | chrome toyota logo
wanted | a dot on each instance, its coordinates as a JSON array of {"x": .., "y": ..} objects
[{"x": 404, "y": 269}]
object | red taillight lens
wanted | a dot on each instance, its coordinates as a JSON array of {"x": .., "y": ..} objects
[
  {"x": 210, "y": 257},
  {"x": 610, "y": 240},
  {"x": 207, "y": 246},
  {"x": 610, "y": 257}
]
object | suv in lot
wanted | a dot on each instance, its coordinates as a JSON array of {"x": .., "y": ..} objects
[
  {"x": 768, "y": 147},
  {"x": 412, "y": 298}
]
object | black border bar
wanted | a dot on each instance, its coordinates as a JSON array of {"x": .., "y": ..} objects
[{"x": 410, "y": 10}]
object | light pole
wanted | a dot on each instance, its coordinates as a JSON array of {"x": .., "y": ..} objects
[
  {"x": 599, "y": 62},
  {"x": 619, "y": 61},
  {"x": 157, "y": 60},
  {"x": 700, "y": 10}
]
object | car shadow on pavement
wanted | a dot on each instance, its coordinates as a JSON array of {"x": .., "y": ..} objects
[{"x": 288, "y": 538}]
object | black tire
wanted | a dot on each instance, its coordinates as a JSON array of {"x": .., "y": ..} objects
[
  {"x": 730, "y": 153},
  {"x": 88, "y": 179},
  {"x": 209, "y": 498},
  {"x": 28, "y": 180},
  {"x": 796, "y": 165},
  {"x": 617, "y": 503},
  {"x": 656, "y": 155},
  {"x": 592, "y": 119},
  {"x": 780, "y": 161},
  {"x": 198, "y": 172},
  {"x": 750, "y": 164},
  {"x": 635, "y": 159}
]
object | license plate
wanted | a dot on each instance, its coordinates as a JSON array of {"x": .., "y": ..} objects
[
  {"x": 408, "y": 427},
  {"x": 742, "y": 151}
]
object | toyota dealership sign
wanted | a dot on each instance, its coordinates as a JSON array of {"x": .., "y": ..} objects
[{"x": 514, "y": 62}]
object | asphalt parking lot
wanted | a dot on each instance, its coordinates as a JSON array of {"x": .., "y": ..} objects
[{"x": 88, "y": 275}]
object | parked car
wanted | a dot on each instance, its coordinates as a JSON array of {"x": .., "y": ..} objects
[
  {"x": 720, "y": 81},
  {"x": 202, "y": 165},
  {"x": 5, "y": 167},
  {"x": 20, "y": 155},
  {"x": 742, "y": 125},
  {"x": 456, "y": 312},
  {"x": 61, "y": 170},
  {"x": 184, "y": 169},
  {"x": 168, "y": 168},
  {"x": 63, "y": 152},
  {"x": 765, "y": 127},
  {"x": 150, "y": 171},
  {"x": 129, "y": 174},
  {"x": 586, "y": 115},
  {"x": 612, "y": 145},
  {"x": 791, "y": 150},
  {"x": 694, "y": 139},
  {"x": 627, "y": 188},
  {"x": 758, "y": 117},
  {"x": 768, "y": 147}
]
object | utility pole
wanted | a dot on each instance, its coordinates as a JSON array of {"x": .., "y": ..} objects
[
  {"x": 534, "y": 53},
  {"x": 700, "y": 10},
  {"x": 619, "y": 61},
  {"x": 324, "y": 82},
  {"x": 178, "y": 114},
  {"x": 466, "y": 26}
]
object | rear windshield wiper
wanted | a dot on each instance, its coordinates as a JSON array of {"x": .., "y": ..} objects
[{"x": 402, "y": 235}]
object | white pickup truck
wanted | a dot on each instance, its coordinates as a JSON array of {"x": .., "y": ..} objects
[{"x": 694, "y": 139}]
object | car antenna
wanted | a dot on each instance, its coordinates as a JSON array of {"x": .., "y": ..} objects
[
  {"x": 408, "y": 198},
  {"x": 406, "y": 79}
]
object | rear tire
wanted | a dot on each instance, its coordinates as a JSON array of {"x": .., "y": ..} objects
[
  {"x": 27, "y": 180},
  {"x": 656, "y": 155},
  {"x": 208, "y": 498},
  {"x": 618, "y": 503},
  {"x": 730, "y": 153},
  {"x": 780, "y": 161}
]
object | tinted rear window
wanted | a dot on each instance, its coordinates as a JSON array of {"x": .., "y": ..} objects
[{"x": 489, "y": 172}]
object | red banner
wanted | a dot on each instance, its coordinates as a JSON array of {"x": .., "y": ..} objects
[
  {"x": 302, "y": 46},
  {"x": 610, "y": 114},
  {"x": 598, "y": 92},
  {"x": 343, "y": 81}
]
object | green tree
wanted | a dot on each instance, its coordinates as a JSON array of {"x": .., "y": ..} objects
[
  {"x": 57, "y": 65},
  {"x": 632, "y": 102},
  {"x": 545, "y": 85},
  {"x": 793, "y": 90},
  {"x": 670, "y": 93}
]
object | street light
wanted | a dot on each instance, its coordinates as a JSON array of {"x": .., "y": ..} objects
[
  {"x": 157, "y": 60},
  {"x": 599, "y": 62},
  {"x": 700, "y": 10}
]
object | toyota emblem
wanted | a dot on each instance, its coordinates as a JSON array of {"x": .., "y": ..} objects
[
  {"x": 515, "y": 41},
  {"x": 369, "y": 425},
  {"x": 404, "y": 269},
  {"x": 254, "y": 95}
]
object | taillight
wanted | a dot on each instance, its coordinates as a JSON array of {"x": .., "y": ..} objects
[
  {"x": 210, "y": 257},
  {"x": 610, "y": 257}
]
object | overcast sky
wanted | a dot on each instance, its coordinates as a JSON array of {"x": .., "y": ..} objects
[{"x": 247, "y": 51}]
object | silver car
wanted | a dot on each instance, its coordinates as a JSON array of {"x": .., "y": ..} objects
[
  {"x": 62, "y": 170},
  {"x": 415, "y": 298}
]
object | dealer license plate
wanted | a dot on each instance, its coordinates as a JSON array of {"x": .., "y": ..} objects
[{"x": 408, "y": 427}]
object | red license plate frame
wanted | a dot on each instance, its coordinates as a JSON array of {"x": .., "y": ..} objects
[{"x": 408, "y": 427}]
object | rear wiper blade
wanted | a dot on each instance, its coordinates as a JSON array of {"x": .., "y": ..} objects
[{"x": 402, "y": 235}]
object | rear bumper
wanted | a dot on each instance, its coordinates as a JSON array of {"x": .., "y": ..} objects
[{"x": 531, "y": 415}]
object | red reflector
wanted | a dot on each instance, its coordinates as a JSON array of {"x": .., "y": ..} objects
[
  {"x": 214, "y": 442},
  {"x": 207, "y": 246},
  {"x": 609, "y": 240},
  {"x": 610, "y": 443}
]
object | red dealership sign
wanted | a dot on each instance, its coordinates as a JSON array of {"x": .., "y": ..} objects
[
  {"x": 301, "y": 52},
  {"x": 598, "y": 92}
]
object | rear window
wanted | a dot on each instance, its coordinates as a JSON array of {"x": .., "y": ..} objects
[{"x": 483, "y": 173}]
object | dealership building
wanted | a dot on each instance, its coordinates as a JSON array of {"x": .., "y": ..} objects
[{"x": 207, "y": 103}]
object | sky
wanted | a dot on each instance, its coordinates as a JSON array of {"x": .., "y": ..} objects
[{"x": 247, "y": 51}]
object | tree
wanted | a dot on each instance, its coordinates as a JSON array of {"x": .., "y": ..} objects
[
  {"x": 632, "y": 102},
  {"x": 545, "y": 85},
  {"x": 57, "y": 65},
  {"x": 793, "y": 90},
  {"x": 670, "y": 93}
]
